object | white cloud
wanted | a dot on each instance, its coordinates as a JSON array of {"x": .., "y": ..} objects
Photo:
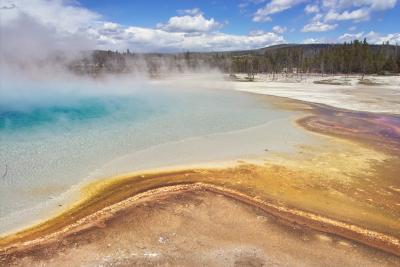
[
  {"x": 314, "y": 40},
  {"x": 145, "y": 39},
  {"x": 317, "y": 26},
  {"x": 372, "y": 4},
  {"x": 63, "y": 16},
  {"x": 382, "y": 4},
  {"x": 348, "y": 37},
  {"x": 60, "y": 23},
  {"x": 329, "y": 12},
  {"x": 260, "y": 17},
  {"x": 372, "y": 37},
  {"x": 311, "y": 9},
  {"x": 190, "y": 23},
  {"x": 273, "y": 7},
  {"x": 110, "y": 26},
  {"x": 309, "y": 41},
  {"x": 192, "y": 12},
  {"x": 356, "y": 15},
  {"x": 329, "y": 3},
  {"x": 66, "y": 24},
  {"x": 356, "y": 10},
  {"x": 377, "y": 38},
  {"x": 317, "y": 17},
  {"x": 279, "y": 29}
]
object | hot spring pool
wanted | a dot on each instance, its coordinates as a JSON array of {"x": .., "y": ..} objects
[{"x": 53, "y": 141}]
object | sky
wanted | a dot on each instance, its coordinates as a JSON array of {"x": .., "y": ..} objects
[{"x": 187, "y": 25}]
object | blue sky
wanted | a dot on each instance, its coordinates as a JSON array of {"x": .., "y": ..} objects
[
  {"x": 239, "y": 14},
  {"x": 180, "y": 25}
]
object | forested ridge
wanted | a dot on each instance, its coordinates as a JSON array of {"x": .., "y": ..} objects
[{"x": 348, "y": 58}]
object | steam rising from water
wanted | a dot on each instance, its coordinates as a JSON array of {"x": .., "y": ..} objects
[
  {"x": 35, "y": 77},
  {"x": 58, "y": 128},
  {"x": 30, "y": 49}
]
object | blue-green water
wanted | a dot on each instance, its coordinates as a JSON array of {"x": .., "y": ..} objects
[
  {"x": 50, "y": 144},
  {"x": 83, "y": 110},
  {"x": 78, "y": 111}
]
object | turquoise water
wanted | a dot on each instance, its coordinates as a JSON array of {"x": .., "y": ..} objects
[
  {"x": 75, "y": 112},
  {"x": 59, "y": 140},
  {"x": 83, "y": 110}
]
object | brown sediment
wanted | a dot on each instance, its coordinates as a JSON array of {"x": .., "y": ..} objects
[
  {"x": 196, "y": 227},
  {"x": 104, "y": 201},
  {"x": 290, "y": 215}
]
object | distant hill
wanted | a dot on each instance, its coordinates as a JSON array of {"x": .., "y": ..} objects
[{"x": 306, "y": 47}]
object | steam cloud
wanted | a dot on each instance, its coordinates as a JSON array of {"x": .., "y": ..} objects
[
  {"x": 29, "y": 47},
  {"x": 36, "y": 59}
]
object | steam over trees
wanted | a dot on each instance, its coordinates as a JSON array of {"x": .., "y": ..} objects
[{"x": 348, "y": 58}]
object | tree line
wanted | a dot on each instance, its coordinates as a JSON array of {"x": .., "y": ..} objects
[
  {"x": 356, "y": 57},
  {"x": 349, "y": 58}
]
